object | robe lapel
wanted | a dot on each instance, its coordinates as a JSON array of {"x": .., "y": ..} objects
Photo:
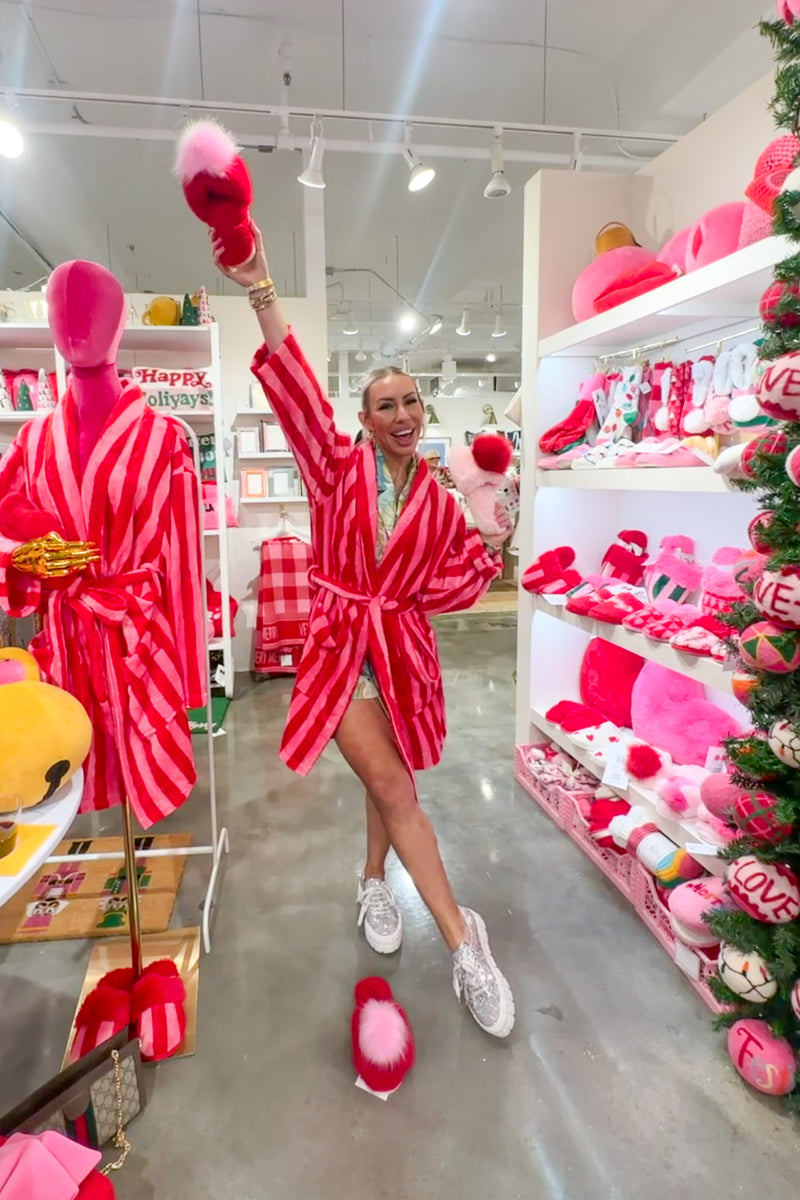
[
  {"x": 407, "y": 524},
  {"x": 367, "y": 502},
  {"x": 109, "y": 454},
  {"x": 61, "y": 492}
]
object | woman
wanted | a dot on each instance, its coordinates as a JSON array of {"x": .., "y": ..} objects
[{"x": 390, "y": 547}]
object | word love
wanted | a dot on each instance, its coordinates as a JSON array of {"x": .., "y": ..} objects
[
  {"x": 777, "y": 595},
  {"x": 769, "y": 892}
]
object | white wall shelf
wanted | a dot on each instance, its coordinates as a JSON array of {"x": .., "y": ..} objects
[
  {"x": 274, "y": 500},
  {"x": 637, "y": 479},
  {"x": 704, "y": 669},
  {"x": 259, "y": 413},
  {"x": 268, "y": 455},
  {"x": 721, "y": 294},
  {"x": 683, "y": 833}
]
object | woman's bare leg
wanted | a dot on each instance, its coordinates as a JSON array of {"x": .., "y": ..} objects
[
  {"x": 378, "y": 843},
  {"x": 366, "y": 741}
]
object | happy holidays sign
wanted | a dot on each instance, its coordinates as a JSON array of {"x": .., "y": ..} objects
[{"x": 174, "y": 390}]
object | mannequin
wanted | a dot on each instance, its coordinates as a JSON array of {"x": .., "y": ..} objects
[
  {"x": 86, "y": 310},
  {"x": 99, "y": 533}
]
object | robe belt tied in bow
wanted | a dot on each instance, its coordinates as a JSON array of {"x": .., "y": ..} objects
[
  {"x": 97, "y": 602},
  {"x": 375, "y": 605}
]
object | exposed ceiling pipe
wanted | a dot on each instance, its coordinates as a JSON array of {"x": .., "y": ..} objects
[
  {"x": 279, "y": 111},
  {"x": 543, "y": 158}
]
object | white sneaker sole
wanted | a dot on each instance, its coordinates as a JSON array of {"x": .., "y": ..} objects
[{"x": 505, "y": 1022}]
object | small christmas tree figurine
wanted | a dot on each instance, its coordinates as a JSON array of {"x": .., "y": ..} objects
[
  {"x": 45, "y": 398},
  {"x": 204, "y": 308},
  {"x": 5, "y": 395},
  {"x": 24, "y": 402},
  {"x": 189, "y": 314}
]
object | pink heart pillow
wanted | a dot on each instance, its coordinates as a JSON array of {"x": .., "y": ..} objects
[{"x": 601, "y": 273}]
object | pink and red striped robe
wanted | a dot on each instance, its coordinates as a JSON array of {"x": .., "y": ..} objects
[
  {"x": 431, "y": 564},
  {"x": 126, "y": 635}
]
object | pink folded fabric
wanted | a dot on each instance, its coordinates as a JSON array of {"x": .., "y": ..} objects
[
  {"x": 44, "y": 1166},
  {"x": 684, "y": 457}
]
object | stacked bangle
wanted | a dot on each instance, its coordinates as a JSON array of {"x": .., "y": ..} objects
[{"x": 262, "y": 294}]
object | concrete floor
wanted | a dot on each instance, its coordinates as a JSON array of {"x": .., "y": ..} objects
[{"x": 612, "y": 1085}]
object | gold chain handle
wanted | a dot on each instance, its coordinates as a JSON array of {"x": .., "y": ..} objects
[{"x": 120, "y": 1140}]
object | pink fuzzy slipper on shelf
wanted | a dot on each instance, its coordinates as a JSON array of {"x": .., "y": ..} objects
[
  {"x": 672, "y": 574},
  {"x": 572, "y": 716},
  {"x": 616, "y": 608},
  {"x": 563, "y": 461},
  {"x": 550, "y": 567},
  {"x": 665, "y": 629},
  {"x": 702, "y": 637}
]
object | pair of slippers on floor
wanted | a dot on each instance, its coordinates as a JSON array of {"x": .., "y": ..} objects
[{"x": 154, "y": 1005}]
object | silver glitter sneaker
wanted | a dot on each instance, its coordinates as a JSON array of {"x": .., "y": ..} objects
[
  {"x": 478, "y": 981},
  {"x": 380, "y": 916}
]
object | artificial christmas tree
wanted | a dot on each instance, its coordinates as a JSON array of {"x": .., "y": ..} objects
[{"x": 760, "y": 928}]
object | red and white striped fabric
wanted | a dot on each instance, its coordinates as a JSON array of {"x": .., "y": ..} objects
[
  {"x": 126, "y": 635},
  {"x": 284, "y": 605},
  {"x": 431, "y": 564}
]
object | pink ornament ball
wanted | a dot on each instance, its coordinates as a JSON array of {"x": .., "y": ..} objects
[
  {"x": 768, "y": 305},
  {"x": 763, "y": 1060},
  {"x": 769, "y": 443},
  {"x": 768, "y": 892},
  {"x": 743, "y": 684},
  {"x": 754, "y": 813},
  {"x": 764, "y": 646},
  {"x": 719, "y": 794},
  {"x": 788, "y": 10},
  {"x": 777, "y": 595},
  {"x": 779, "y": 388},
  {"x": 690, "y": 904},
  {"x": 792, "y": 466},
  {"x": 756, "y": 530}
]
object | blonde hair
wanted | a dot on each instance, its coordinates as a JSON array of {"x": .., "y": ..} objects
[{"x": 374, "y": 377}]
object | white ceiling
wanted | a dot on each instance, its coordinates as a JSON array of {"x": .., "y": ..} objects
[{"x": 526, "y": 61}]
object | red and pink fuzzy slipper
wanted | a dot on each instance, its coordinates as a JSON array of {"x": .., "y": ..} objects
[
  {"x": 552, "y": 572},
  {"x": 572, "y": 716},
  {"x": 155, "y": 1005}
]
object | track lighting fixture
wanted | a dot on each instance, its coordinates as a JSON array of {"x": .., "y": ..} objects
[
  {"x": 498, "y": 186},
  {"x": 435, "y": 325},
  {"x": 312, "y": 175},
  {"x": 421, "y": 175},
  {"x": 463, "y": 329}
]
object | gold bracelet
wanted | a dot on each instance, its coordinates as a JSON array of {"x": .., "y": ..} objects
[
  {"x": 263, "y": 299},
  {"x": 262, "y": 285}
]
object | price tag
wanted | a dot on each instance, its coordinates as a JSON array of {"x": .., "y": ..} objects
[
  {"x": 286, "y": 660},
  {"x": 645, "y": 388},
  {"x": 715, "y": 759},
  {"x": 687, "y": 960},
  {"x": 615, "y": 776},
  {"x": 602, "y": 404},
  {"x": 703, "y": 848}
]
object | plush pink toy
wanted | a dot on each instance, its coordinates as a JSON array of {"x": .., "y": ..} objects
[
  {"x": 673, "y": 252},
  {"x": 715, "y": 235},
  {"x": 382, "y": 1038},
  {"x": 602, "y": 272},
  {"x": 670, "y": 711},
  {"x": 478, "y": 471}
]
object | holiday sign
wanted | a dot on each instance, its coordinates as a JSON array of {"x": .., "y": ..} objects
[{"x": 174, "y": 390}]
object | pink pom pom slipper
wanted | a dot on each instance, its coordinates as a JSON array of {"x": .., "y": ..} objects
[
  {"x": 702, "y": 637},
  {"x": 616, "y": 608},
  {"x": 552, "y": 567}
]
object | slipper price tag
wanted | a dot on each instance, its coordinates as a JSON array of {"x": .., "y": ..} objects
[
  {"x": 615, "y": 776},
  {"x": 602, "y": 405}
]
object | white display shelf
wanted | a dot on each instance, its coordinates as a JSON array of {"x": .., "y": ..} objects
[
  {"x": 265, "y": 455},
  {"x": 59, "y": 812},
  {"x": 638, "y": 479},
  {"x": 274, "y": 500},
  {"x": 211, "y": 532},
  {"x": 683, "y": 833},
  {"x": 26, "y": 336},
  {"x": 217, "y": 644},
  {"x": 191, "y": 340},
  {"x": 723, "y": 293},
  {"x": 18, "y": 418},
  {"x": 253, "y": 412},
  {"x": 705, "y": 670}
]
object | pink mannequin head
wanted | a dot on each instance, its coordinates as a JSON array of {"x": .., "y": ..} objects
[{"x": 86, "y": 311}]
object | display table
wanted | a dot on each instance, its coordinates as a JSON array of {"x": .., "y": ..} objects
[{"x": 55, "y": 815}]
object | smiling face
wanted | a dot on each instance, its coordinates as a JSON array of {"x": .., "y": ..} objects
[{"x": 395, "y": 416}]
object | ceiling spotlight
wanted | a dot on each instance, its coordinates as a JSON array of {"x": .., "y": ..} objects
[
  {"x": 408, "y": 321},
  {"x": 491, "y": 357},
  {"x": 360, "y": 356},
  {"x": 11, "y": 141},
  {"x": 499, "y": 328},
  {"x": 421, "y": 175},
  {"x": 350, "y": 327},
  {"x": 498, "y": 186},
  {"x": 463, "y": 330},
  {"x": 435, "y": 325},
  {"x": 312, "y": 176}
]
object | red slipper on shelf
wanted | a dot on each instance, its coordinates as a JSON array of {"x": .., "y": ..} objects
[
  {"x": 642, "y": 617},
  {"x": 664, "y": 626},
  {"x": 702, "y": 637},
  {"x": 158, "y": 1007},
  {"x": 614, "y": 610},
  {"x": 560, "y": 587},
  {"x": 104, "y": 1012},
  {"x": 572, "y": 716},
  {"x": 581, "y": 603},
  {"x": 548, "y": 568},
  {"x": 625, "y": 558}
]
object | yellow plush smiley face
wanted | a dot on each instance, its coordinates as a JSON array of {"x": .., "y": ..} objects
[{"x": 45, "y": 736}]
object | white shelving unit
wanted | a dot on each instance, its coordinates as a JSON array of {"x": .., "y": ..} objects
[{"x": 586, "y": 508}]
